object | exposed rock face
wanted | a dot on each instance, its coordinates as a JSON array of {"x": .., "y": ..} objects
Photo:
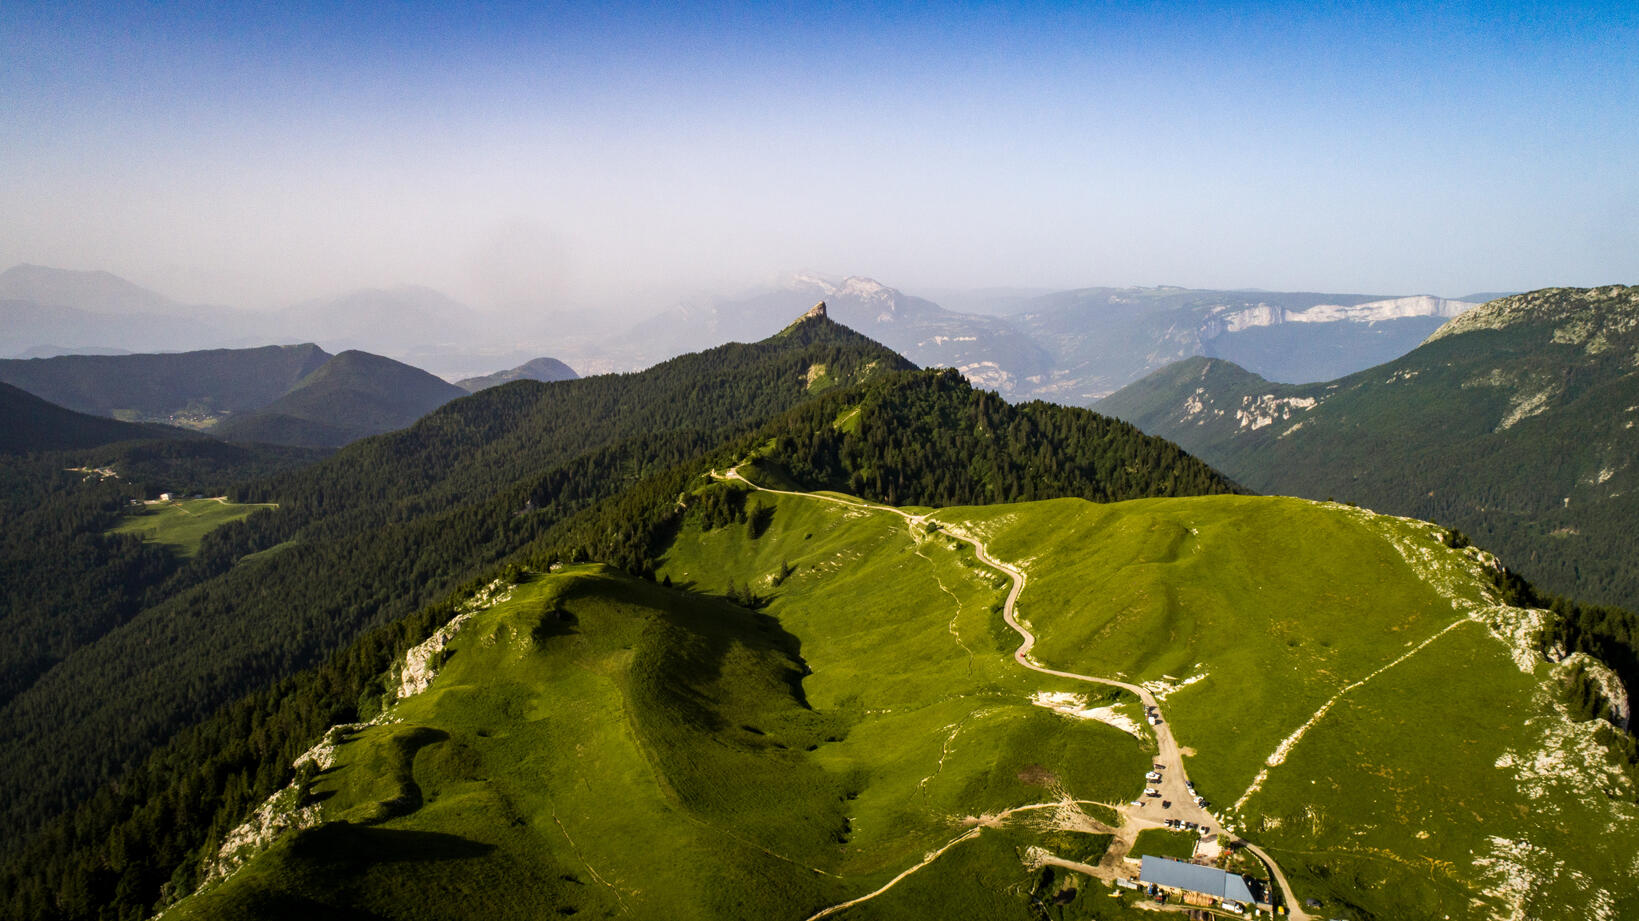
[
  {"x": 1397, "y": 308},
  {"x": 1590, "y": 317},
  {"x": 818, "y": 310}
]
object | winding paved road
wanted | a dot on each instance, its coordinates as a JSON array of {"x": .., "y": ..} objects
[{"x": 1174, "y": 785}]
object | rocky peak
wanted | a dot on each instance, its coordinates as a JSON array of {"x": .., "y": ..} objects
[
  {"x": 1591, "y": 317},
  {"x": 818, "y": 310}
]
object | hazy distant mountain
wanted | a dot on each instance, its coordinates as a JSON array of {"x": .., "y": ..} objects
[
  {"x": 543, "y": 369},
  {"x": 28, "y": 423},
  {"x": 160, "y": 387},
  {"x": 95, "y": 292},
  {"x": 52, "y": 351},
  {"x": 990, "y": 351},
  {"x": 1077, "y": 346},
  {"x": 381, "y": 320},
  {"x": 1104, "y": 338},
  {"x": 352, "y": 395},
  {"x": 75, "y": 311},
  {"x": 1517, "y": 422}
]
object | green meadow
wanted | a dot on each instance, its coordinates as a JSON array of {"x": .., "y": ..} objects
[
  {"x": 604, "y": 746},
  {"x": 183, "y": 523},
  {"x": 1161, "y": 842}
]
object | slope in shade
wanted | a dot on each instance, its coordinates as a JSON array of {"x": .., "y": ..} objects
[
  {"x": 154, "y": 387},
  {"x": 351, "y": 396},
  {"x": 30, "y": 424}
]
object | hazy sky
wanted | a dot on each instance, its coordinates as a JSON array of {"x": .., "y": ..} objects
[{"x": 570, "y": 155}]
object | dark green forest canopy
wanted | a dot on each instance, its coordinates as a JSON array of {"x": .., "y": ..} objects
[
  {"x": 616, "y": 503},
  {"x": 361, "y": 539}
]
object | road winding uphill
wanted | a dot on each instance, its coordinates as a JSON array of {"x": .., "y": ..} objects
[{"x": 1174, "y": 785}]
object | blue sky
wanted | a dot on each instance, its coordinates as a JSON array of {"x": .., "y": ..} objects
[{"x": 536, "y": 155}]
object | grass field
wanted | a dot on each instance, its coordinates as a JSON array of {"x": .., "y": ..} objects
[
  {"x": 183, "y": 523},
  {"x": 612, "y": 747},
  {"x": 1161, "y": 842}
]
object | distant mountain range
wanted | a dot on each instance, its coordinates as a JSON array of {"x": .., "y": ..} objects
[
  {"x": 1076, "y": 346},
  {"x": 291, "y": 395},
  {"x": 1515, "y": 422},
  {"x": 352, "y": 395},
  {"x": 544, "y": 370},
  {"x": 46, "y": 311},
  {"x": 1068, "y": 346}
]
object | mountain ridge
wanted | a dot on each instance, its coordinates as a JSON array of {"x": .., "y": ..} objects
[{"x": 1514, "y": 423}]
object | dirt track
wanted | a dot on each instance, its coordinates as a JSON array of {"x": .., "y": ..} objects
[{"x": 1174, "y": 784}]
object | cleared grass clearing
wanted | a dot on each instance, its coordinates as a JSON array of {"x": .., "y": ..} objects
[{"x": 183, "y": 523}]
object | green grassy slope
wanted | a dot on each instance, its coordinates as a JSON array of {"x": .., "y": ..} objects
[
  {"x": 623, "y": 747},
  {"x": 698, "y": 773},
  {"x": 1421, "y": 792},
  {"x": 183, "y": 523},
  {"x": 1515, "y": 423}
]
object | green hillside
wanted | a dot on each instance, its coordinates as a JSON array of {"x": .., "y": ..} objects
[
  {"x": 817, "y": 697},
  {"x": 156, "y": 387},
  {"x": 182, "y": 523},
  {"x": 364, "y": 544},
  {"x": 1515, "y": 423},
  {"x": 545, "y": 370},
  {"x": 32, "y": 425},
  {"x": 373, "y": 534},
  {"x": 351, "y": 396}
]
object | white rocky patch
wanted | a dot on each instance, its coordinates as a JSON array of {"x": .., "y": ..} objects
[
  {"x": 1166, "y": 685},
  {"x": 1258, "y": 412},
  {"x": 1568, "y": 765},
  {"x": 1610, "y": 686},
  {"x": 1227, "y": 321},
  {"x": 1524, "y": 405},
  {"x": 1194, "y": 404},
  {"x": 986, "y": 374},
  {"x": 418, "y": 671},
  {"x": 1512, "y": 871},
  {"x": 278, "y": 814},
  {"x": 1075, "y": 706}
]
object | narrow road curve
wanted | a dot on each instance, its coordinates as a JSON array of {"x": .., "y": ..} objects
[{"x": 1174, "y": 785}]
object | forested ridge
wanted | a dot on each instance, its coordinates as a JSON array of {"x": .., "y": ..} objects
[
  {"x": 617, "y": 504},
  {"x": 1519, "y": 427},
  {"x": 372, "y": 535}
]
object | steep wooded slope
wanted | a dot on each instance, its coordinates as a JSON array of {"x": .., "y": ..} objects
[
  {"x": 380, "y": 530},
  {"x": 157, "y": 385},
  {"x": 353, "y": 395},
  {"x": 28, "y": 423},
  {"x": 1516, "y": 422}
]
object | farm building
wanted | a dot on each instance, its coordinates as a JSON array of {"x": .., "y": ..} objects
[{"x": 1197, "y": 884}]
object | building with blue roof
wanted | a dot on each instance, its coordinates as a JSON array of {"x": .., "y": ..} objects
[{"x": 1194, "y": 878}]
